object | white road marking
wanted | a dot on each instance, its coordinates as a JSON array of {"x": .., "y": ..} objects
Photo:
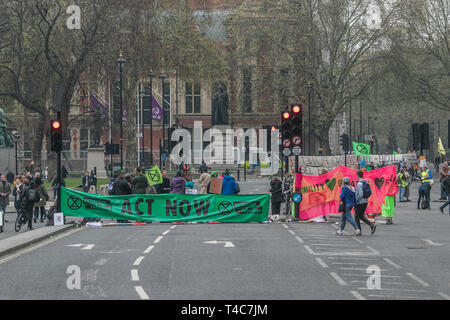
[
  {"x": 363, "y": 269},
  {"x": 385, "y": 289},
  {"x": 398, "y": 297},
  {"x": 357, "y": 295},
  {"x": 338, "y": 279},
  {"x": 140, "y": 291},
  {"x": 322, "y": 263},
  {"x": 365, "y": 275},
  {"x": 309, "y": 249},
  {"x": 285, "y": 226},
  {"x": 134, "y": 275},
  {"x": 392, "y": 263},
  {"x": 149, "y": 249},
  {"x": 138, "y": 261},
  {"x": 227, "y": 244},
  {"x": 38, "y": 246},
  {"x": 446, "y": 297},
  {"x": 158, "y": 239},
  {"x": 173, "y": 227},
  {"x": 299, "y": 239},
  {"x": 88, "y": 247},
  {"x": 101, "y": 262},
  {"x": 349, "y": 258},
  {"x": 334, "y": 245},
  {"x": 373, "y": 250},
  {"x": 357, "y": 240},
  {"x": 418, "y": 279},
  {"x": 292, "y": 232},
  {"x": 165, "y": 232},
  {"x": 432, "y": 243},
  {"x": 350, "y": 263},
  {"x": 384, "y": 282}
]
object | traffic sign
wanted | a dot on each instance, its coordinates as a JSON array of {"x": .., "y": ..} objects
[
  {"x": 296, "y": 140},
  {"x": 286, "y": 152},
  {"x": 286, "y": 143},
  {"x": 296, "y": 151},
  {"x": 297, "y": 197}
]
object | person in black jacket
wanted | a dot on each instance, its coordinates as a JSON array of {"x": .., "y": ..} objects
[
  {"x": 86, "y": 182},
  {"x": 164, "y": 187},
  {"x": 139, "y": 182},
  {"x": 26, "y": 203},
  {"x": 277, "y": 197},
  {"x": 121, "y": 187}
]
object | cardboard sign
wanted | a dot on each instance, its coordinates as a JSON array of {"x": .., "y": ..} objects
[
  {"x": 216, "y": 186},
  {"x": 58, "y": 219}
]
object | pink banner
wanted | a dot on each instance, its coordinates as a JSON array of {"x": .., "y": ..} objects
[{"x": 320, "y": 194}]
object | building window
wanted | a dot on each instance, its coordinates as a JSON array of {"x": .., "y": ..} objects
[
  {"x": 27, "y": 153},
  {"x": 247, "y": 91},
  {"x": 193, "y": 98}
]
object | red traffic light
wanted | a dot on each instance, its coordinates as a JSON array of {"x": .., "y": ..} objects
[
  {"x": 273, "y": 128},
  {"x": 296, "y": 109},
  {"x": 286, "y": 115},
  {"x": 56, "y": 125}
]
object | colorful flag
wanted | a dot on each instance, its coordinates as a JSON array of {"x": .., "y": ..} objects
[
  {"x": 441, "y": 149},
  {"x": 361, "y": 149},
  {"x": 156, "y": 108},
  {"x": 97, "y": 106},
  {"x": 154, "y": 176}
]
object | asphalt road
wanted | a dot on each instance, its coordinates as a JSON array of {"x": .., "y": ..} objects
[{"x": 239, "y": 261}]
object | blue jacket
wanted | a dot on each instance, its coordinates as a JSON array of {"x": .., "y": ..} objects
[
  {"x": 348, "y": 195},
  {"x": 229, "y": 185}
]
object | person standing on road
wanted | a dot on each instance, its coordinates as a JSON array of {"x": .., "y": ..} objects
[
  {"x": 276, "y": 197},
  {"x": 444, "y": 174},
  {"x": 40, "y": 206},
  {"x": 363, "y": 193},
  {"x": 446, "y": 184},
  {"x": 425, "y": 188},
  {"x": 121, "y": 187},
  {"x": 139, "y": 182},
  {"x": 401, "y": 184},
  {"x": 229, "y": 185},
  {"x": 178, "y": 184},
  {"x": 349, "y": 198},
  {"x": 5, "y": 191},
  {"x": 204, "y": 180},
  {"x": 407, "y": 177},
  {"x": 16, "y": 193},
  {"x": 164, "y": 187}
]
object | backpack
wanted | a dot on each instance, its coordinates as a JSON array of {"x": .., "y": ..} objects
[
  {"x": 33, "y": 195},
  {"x": 367, "y": 192}
]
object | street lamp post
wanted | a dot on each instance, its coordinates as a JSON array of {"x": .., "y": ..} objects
[
  {"x": 163, "y": 77},
  {"x": 121, "y": 61},
  {"x": 151, "y": 76},
  {"x": 309, "y": 87}
]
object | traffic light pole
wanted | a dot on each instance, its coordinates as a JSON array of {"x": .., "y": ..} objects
[{"x": 58, "y": 172}]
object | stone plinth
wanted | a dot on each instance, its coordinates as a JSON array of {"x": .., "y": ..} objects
[{"x": 96, "y": 158}]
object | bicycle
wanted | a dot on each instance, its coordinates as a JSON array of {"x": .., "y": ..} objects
[{"x": 20, "y": 221}]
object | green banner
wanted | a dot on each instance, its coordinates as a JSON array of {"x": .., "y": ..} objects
[
  {"x": 361, "y": 149},
  {"x": 167, "y": 207},
  {"x": 154, "y": 176}
]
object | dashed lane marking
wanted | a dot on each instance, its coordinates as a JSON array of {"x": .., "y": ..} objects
[
  {"x": 358, "y": 240},
  {"x": 359, "y": 269},
  {"x": 138, "y": 261},
  {"x": 309, "y": 250},
  {"x": 357, "y": 295},
  {"x": 335, "y": 245},
  {"x": 173, "y": 227},
  {"x": 158, "y": 239},
  {"x": 165, "y": 232},
  {"x": 140, "y": 291},
  {"x": 349, "y": 258},
  {"x": 149, "y": 249},
  {"x": 291, "y": 232},
  {"x": 322, "y": 263},
  {"x": 446, "y": 297},
  {"x": 134, "y": 275},
  {"x": 338, "y": 278},
  {"x": 285, "y": 226},
  {"x": 365, "y": 275},
  {"x": 431, "y": 243},
  {"x": 392, "y": 263},
  {"x": 396, "y": 289},
  {"x": 101, "y": 262},
  {"x": 418, "y": 279},
  {"x": 299, "y": 239},
  {"x": 399, "y": 297}
]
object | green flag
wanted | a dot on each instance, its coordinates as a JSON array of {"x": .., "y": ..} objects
[
  {"x": 394, "y": 153},
  {"x": 361, "y": 149},
  {"x": 154, "y": 176}
]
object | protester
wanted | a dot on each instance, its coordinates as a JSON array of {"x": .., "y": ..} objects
[
  {"x": 18, "y": 186},
  {"x": 28, "y": 197},
  {"x": 363, "y": 193},
  {"x": 204, "y": 180},
  {"x": 349, "y": 199},
  {"x": 424, "y": 189},
  {"x": 276, "y": 198},
  {"x": 402, "y": 183},
  {"x": 64, "y": 172},
  {"x": 139, "y": 182},
  {"x": 213, "y": 176},
  {"x": 40, "y": 206},
  {"x": 407, "y": 178},
  {"x": 85, "y": 181},
  {"x": 164, "y": 187},
  {"x": 5, "y": 191},
  {"x": 190, "y": 184},
  {"x": 121, "y": 187},
  {"x": 93, "y": 180},
  {"x": 178, "y": 184},
  {"x": 444, "y": 174},
  {"x": 229, "y": 185},
  {"x": 446, "y": 184}
]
